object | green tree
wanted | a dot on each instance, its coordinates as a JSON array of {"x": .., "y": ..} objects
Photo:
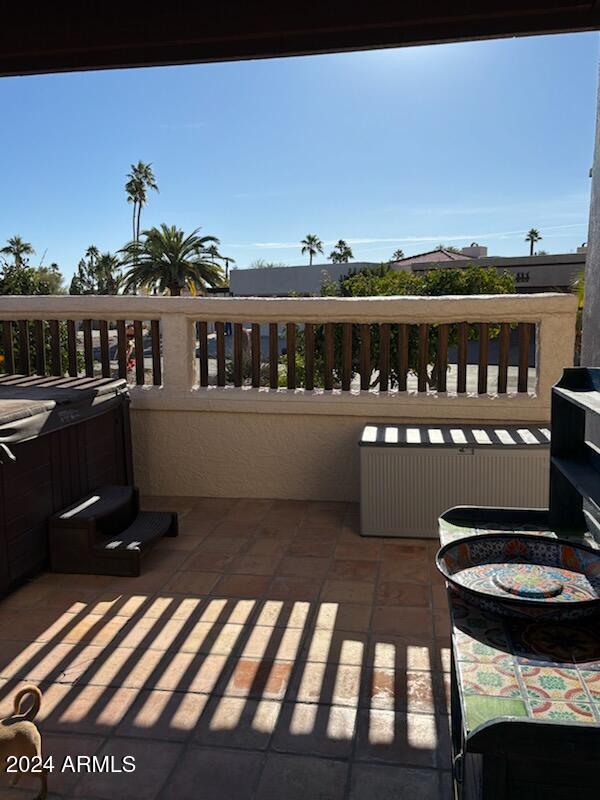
[
  {"x": 397, "y": 255},
  {"x": 139, "y": 181},
  {"x": 16, "y": 248},
  {"x": 166, "y": 259},
  {"x": 97, "y": 273},
  {"x": 578, "y": 287},
  {"x": 341, "y": 253},
  {"x": 370, "y": 282},
  {"x": 27, "y": 280},
  {"x": 260, "y": 263},
  {"x": 533, "y": 236},
  {"x": 312, "y": 245}
]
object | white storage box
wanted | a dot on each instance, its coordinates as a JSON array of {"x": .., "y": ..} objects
[{"x": 410, "y": 474}]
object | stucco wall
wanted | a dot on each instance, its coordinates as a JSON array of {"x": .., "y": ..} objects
[
  {"x": 215, "y": 454},
  {"x": 295, "y": 444}
]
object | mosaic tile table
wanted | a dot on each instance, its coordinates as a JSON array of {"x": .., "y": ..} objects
[{"x": 525, "y": 694}]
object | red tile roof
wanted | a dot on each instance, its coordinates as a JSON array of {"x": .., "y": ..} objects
[{"x": 433, "y": 255}]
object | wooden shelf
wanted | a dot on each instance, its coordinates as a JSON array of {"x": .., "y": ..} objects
[
  {"x": 589, "y": 399},
  {"x": 581, "y": 475}
]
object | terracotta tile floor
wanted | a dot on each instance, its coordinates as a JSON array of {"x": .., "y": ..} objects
[{"x": 267, "y": 653}]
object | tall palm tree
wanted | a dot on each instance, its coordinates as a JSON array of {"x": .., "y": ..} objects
[
  {"x": 228, "y": 260},
  {"x": 398, "y": 255},
  {"x": 17, "y": 248},
  {"x": 139, "y": 181},
  {"x": 167, "y": 259},
  {"x": 532, "y": 237},
  {"x": 341, "y": 253},
  {"x": 312, "y": 245}
]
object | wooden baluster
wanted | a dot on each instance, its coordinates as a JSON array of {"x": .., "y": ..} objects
[
  {"x": 384, "y": 356},
  {"x": 482, "y": 368},
  {"x": 423, "y": 357},
  {"x": 461, "y": 379},
  {"x": 524, "y": 342},
  {"x": 8, "y": 347},
  {"x": 328, "y": 373},
  {"x": 72, "y": 348},
  {"x": 88, "y": 352},
  {"x": 290, "y": 335},
  {"x": 309, "y": 356},
  {"x": 24, "y": 358},
  {"x": 255, "y": 356},
  {"x": 442, "y": 357},
  {"x": 122, "y": 348},
  {"x": 104, "y": 354},
  {"x": 202, "y": 333},
  {"x": 40, "y": 347},
  {"x": 55, "y": 351},
  {"x": 273, "y": 356},
  {"x": 346, "y": 356},
  {"x": 138, "y": 338},
  {"x": 365, "y": 357},
  {"x": 220, "y": 331},
  {"x": 237, "y": 353},
  {"x": 504, "y": 347},
  {"x": 402, "y": 356},
  {"x": 156, "y": 362}
]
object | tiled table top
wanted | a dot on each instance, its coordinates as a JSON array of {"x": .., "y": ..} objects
[{"x": 519, "y": 668}]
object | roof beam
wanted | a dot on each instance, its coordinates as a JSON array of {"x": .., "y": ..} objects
[{"x": 80, "y": 35}]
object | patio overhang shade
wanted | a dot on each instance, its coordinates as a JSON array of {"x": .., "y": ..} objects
[{"x": 54, "y": 37}]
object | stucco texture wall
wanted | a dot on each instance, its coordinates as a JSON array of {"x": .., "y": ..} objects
[
  {"x": 216, "y": 454},
  {"x": 246, "y": 455}
]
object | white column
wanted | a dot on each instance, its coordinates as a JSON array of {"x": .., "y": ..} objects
[
  {"x": 555, "y": 348},
  {"x": 590, "y": 345},
  {"x": 178, "y": 345}
]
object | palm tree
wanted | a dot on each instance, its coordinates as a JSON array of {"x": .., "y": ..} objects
[
  {"x": 139, "y": 180},
  {"x": 17, "y": 248},
  {"x": 213, "y": 252},
  {"x": 398, "y": 255},
  {"x": 107, "y": 273},
  {"x": 312, "y": 245},
  {"x": 341, "y": 253},
  {"x": 93, "y": 254},
  {"x": 169, "y": 260},
  {"x": 532, "y": 237},
  {"x": 228, "y": 260}
]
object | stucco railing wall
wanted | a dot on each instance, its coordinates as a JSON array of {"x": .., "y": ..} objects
[{"x": 260, "y": 442}]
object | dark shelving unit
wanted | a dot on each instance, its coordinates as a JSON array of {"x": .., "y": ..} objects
[{"x": 575, "y": 457}]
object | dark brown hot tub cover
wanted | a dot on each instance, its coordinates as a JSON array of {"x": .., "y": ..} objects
[{"x": 31, "y": 406}]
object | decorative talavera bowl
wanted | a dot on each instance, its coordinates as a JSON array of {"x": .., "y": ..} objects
[{"x": 524, "y": 575}]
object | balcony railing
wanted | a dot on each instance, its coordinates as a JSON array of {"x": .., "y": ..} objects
[{"x": 482, "y": 348}]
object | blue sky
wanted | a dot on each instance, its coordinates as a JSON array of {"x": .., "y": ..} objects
[{"x": 393, "y": 148}]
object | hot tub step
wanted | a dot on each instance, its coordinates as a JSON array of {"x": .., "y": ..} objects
[
  {"x": 110, "y": 508},
  {"x": 105, "y": 533}
]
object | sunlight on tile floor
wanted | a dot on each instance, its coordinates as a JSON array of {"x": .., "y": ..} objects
[{"x": 268, "y": 652}]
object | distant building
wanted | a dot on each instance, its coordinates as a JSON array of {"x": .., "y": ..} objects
[
  {"x": 474, "y": 250},
  {"x": 283, "y": 281},
  {"x": 438, "y": 256},
  {"x": 532, "y": 273}
]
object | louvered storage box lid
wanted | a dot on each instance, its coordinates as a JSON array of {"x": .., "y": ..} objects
[{"x": 504, "y": 436}]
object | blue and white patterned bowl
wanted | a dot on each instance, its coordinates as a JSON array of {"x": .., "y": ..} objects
[{"x": 524, "y": 575}]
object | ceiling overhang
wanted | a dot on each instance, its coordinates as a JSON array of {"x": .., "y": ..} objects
[{"x": 57, "y": 37}]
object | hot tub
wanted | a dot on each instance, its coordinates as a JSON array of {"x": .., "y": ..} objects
[{"x": 59, "y": 439}]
